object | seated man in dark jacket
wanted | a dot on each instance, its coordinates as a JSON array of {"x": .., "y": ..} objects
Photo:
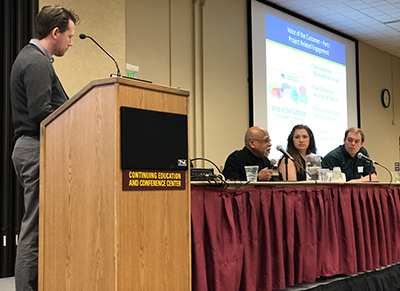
[
  {"x": 345, "y": 157},
  {"x": 255, "y": 152}
]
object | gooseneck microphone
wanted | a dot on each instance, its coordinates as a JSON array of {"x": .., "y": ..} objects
[
  {"x": 284, "y": 152},
  {"x": 364, "y": 157},
  {"x": 83, "y": 36}
]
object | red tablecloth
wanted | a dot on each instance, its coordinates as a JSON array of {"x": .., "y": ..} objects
[{"x": 264, "y": 238}]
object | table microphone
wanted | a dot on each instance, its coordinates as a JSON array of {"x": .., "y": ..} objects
[
  {"x": 83, "y": 36},
  {"x": 364, "y": 157},
  {"x": 285, "y": 153}
]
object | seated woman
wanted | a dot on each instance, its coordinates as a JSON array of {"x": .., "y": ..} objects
[{"x": 301, "y": 142}]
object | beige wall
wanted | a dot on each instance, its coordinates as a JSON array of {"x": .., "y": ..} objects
[
  {"x": 202, "y": 46},
  {"x": 380, "y": 70},
  {"x": 226, "y": 104},
  {"x": 189, "y": 45}
]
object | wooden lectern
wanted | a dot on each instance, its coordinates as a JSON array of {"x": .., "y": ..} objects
[{"x": 94, "y": 235}]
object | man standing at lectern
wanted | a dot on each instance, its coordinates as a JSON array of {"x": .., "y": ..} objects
[{"x": 35, "y": 93}]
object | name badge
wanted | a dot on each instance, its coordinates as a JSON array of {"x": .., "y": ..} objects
[{"x": 360, "y": 169}]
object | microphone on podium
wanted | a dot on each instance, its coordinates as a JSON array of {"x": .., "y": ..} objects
[{"x": 83, "y": 36}]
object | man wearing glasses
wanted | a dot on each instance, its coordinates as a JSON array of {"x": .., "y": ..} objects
[
  {"x": 345, "y": 157},
  {"x": 254, "y": 153}
]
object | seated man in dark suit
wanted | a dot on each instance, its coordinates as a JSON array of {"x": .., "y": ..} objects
[{"x": 254, "y": 153}]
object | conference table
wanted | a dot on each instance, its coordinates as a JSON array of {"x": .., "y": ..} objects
[{"x": 268, "y": 235}]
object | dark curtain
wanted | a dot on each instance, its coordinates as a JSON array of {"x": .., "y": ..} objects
[{"x": 17, "y": 20}]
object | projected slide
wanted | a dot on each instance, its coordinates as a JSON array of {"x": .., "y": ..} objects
[{"x": 306, "y": 83}]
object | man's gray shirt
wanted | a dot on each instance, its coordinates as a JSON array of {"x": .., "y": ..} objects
[{"x": 35, "y": 89}]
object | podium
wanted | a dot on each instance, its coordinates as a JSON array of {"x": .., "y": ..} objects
[{"x": 93, "y": 234}]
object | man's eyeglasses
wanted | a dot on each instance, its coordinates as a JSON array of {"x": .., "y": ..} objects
[{"x": 267, "y": 140}]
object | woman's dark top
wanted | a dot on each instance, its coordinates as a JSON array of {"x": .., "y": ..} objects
[{"x": 300, "y": 176}]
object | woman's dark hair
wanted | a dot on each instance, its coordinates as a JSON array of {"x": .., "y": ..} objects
[
  {"x": 52, "y": 16},
  {"x": 291, "y": 149}
]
